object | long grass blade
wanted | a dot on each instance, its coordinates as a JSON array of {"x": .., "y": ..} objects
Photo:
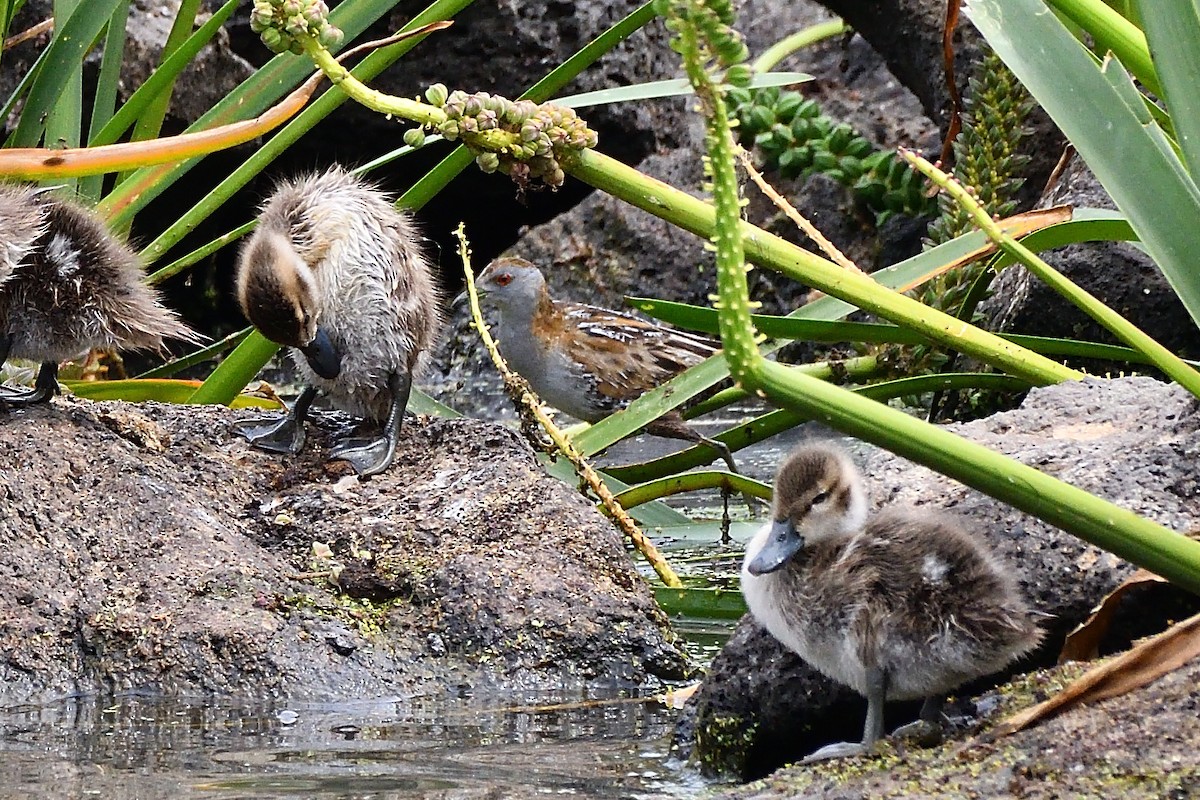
[
  {"x": 107, "y": 84},
  {"x": 61, "y": 64}
]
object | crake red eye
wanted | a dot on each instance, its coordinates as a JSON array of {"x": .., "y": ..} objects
[{"x": 504, "y": 279}]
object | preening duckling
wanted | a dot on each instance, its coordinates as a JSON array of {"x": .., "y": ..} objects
[
  {"x": 67, "y": 285},
  {"x": 898, "y": 606},
  {"x": 334, "y": 271}
]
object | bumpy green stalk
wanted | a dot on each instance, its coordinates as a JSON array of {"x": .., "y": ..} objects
[
  {"x": 1175, "y": 557},
  {"x": 733, "y": 305},
  {"x": 1120, "y": 327},
  {"x": 771, "y": 251}
]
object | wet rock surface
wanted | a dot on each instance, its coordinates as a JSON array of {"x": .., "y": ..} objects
[
  {"x": 147, "y": 548},
  {"x": 1134, "y": 441}
]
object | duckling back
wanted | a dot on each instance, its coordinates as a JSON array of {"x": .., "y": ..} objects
[
  {"x": 910, "y": 593},
  {"x": 68, "y": 285},
  {"x": 374, "y": 291}
]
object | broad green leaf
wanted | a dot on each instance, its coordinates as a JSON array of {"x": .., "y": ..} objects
[
  {"x": 671, "y": 88},
  {"x": 1113, "y": 132},
  {"x": 701, "y": 602},
  {"x": 1173, "y": 34},
  {"x": 141, "y": 390}
]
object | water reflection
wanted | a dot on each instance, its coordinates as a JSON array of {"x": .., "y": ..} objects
[{"x": 470, "y": 747}]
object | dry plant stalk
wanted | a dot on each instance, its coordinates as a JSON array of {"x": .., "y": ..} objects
[
  {"x": 1133, "y": 669},
  {"x": 520, "y": 390},
  {"x": 810, "y": 230}
]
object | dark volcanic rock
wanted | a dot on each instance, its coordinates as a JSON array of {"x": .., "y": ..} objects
[
  {"x": 1134, "y": 441},
  {"x": 147, "y": 548}
]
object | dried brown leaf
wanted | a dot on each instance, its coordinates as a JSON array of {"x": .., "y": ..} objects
[
  {"x": 1137, "y": 667},
  {"x": 1083, "y": 643}
]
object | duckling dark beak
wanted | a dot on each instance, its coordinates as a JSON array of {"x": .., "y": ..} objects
[
  {"x": 783, "y": 543},
  {"x": 322, "y": 356}
]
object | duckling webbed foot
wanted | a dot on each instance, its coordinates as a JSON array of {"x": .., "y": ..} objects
[
  {"x": 44, "y": 387},
  {"x": 279, "y": 435},
  {"x": 371, "y": 456}
]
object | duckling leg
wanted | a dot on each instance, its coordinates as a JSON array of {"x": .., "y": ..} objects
[
  {"x": 372, "y": 456},
  {"x": 872, "y": 729},
  {"x": 929, "y": 721},
  {"x": 280, "y": 435},
  {"x": 44, "y": 387}
]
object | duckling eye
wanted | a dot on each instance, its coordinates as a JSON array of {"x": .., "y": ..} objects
[
  {"x": 503, "y": 279},
  {"x": 820, "y": 498}
]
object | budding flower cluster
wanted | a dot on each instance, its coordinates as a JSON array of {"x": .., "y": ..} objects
[
  {"x": 281, "y": 23},
  {"x": 542, "y": 134}
]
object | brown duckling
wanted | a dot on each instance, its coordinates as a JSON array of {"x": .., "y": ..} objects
[
  {"x": 67, "y": 285},
  {"x": 586, "y": 360},
  {"x": 335, "y": 272},
  {"x": 900, "y": 605}
]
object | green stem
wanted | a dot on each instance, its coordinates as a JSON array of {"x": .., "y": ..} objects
[
  {"x": 371, "y": 98},
  {"x": 775, "y": 253},
  {"x": 1120, "y": 327},
  {"x": 691, "y": 482},
  {"x": 1175, "y": 557},
  {"x": 798, "y": 40},
  {"x": 232, "y": 374},
  {"x": 1113, "y": 32}
]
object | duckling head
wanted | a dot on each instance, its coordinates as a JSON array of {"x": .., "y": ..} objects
[
  {"x": 513, "y": 284},
  {"x": 818, "y": 494},
  {"x": 277, "y": 290}
]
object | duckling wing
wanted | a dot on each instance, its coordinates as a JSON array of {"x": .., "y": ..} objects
[
  {"x": 23, "y": 221},
  {"x": 942, "y": 610}
]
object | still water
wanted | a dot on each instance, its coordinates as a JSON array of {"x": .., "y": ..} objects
[
  {"x": 450, "y": 749},
  {"x": 462, "y": 748}
]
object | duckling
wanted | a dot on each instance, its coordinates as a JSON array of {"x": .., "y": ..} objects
[
  {"x": 334, "y": 271},
  {"x": 67, "y": 285},
  {"x": 585, "y": 360},
  {"x": 902, "y": 605}
]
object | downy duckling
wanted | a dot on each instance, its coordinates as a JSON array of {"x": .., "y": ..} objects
[
  {"x": 586, "y": 360},
  {"x": 899, "y": 606},
  {"x": 334, "y": 271},
  {"x": 67, "y": 285}
]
